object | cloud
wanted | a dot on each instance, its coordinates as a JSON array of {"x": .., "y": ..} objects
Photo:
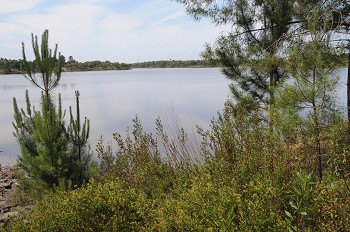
[
  {"x": 171, "y": 17},
  {"x": 71, "y": 30},
  {"x": 104, "y": 30},
  {"x": 10, "y": 6}
]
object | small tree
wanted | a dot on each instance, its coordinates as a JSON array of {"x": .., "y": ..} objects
[
  {"x": 78, "y": 136},
  {"x": 48, "y": 149},
  {"x": 43, "y": 140},
  {"x": 311, "y": 64},
  {"x": 46, "y": 64}
]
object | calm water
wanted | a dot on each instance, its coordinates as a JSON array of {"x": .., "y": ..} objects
[{"x": 111, "y": 99}]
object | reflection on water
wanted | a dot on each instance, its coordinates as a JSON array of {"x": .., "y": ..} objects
[{"x": 111, "y": 99}]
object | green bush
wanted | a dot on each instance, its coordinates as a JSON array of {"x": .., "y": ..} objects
[
  {"x": 301, "y": 211},
  {"x": 97, "y": 207},
  {"x": 138, "y": 161},
  {"x": 333, "y": 203},
  {"x": 207, "y": 202}
]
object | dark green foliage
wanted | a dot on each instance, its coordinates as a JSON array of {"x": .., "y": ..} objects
[
  {"x": 78, "y": 137},
  {"x": 51, "y": 154},
  {"x": 252, "y": 53},
  {"x": 73, "y": 66},
  {"x": 337, "y": 11},
  {"x": 312, "y": 64},
  {"x": 46, "y": 64},
  {"x": 43, "y": 141},
  {"x": 8, "y": 66},
  {"x": 173, "y": 64},
  {"x": 302, "y": 209}
]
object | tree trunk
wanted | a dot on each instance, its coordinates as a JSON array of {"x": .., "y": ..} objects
[
  {"x": 317, "y": 129},
  {"x": 348, "y": 98},
  {"x": 272, "y": 100}
]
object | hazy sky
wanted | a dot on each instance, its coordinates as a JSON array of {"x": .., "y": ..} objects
[{"x": 115, "y": 30}]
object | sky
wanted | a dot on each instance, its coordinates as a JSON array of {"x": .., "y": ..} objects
[{"x": 116, "y": 30}]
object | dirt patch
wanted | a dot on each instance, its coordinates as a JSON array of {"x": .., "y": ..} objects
[{"x": 8, "y": 185}]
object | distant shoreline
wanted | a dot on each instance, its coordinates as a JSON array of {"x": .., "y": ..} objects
[
  {"x": 66, "y": 71},
  {"x": 14, "y": 66}
]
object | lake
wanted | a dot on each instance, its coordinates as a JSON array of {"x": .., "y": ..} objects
[{"x": 111, "y": 99}]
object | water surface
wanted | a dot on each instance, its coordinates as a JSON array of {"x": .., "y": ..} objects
[{"x": 111, "y": 99}]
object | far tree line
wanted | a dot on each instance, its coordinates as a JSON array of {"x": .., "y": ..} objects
[
  {"x": 13, "y": 66},
  {"x": 174, "y": 64},
  {"x": 72, "y": 65}
]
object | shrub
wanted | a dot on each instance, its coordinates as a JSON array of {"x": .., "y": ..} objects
[
  {"x": 205, "y": 204},
  {"x": 333, "y": 203},
  {"x": 138, "y": 162},
  {"x": 110, "y": 206}
]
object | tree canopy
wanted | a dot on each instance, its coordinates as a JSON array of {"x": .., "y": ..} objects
[{"x": 254, "y": 51}]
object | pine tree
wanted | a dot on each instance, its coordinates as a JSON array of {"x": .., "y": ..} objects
[
  {"x": 50, "y": 152},
  {"x": 78, "y": 136},
  {"x": 252, "y": 53},
  {"x": 43, "y": 140},
  {"x": 46, "y": 64},
  {"x": 312, "y": 64}
]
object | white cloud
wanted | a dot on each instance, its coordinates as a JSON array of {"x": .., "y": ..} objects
[
  {"x": 94, "y": 30},
  {"x": 171, "y": 17},
  {"x": 71, "y": 30},
  {"x": 10, "y": 6}
]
